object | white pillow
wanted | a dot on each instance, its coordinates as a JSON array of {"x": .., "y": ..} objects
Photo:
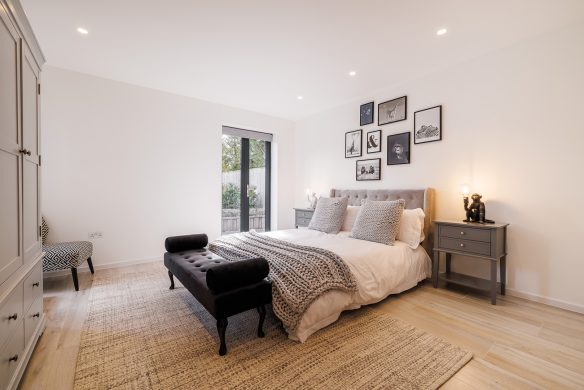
[
  {"x": 411, "y": 227},
  {"x": 350, "y": 217}
]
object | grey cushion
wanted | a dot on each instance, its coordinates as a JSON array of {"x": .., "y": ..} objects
[
  {"x": 378, "y": 221},
  {"x": 328, "y": 215}
]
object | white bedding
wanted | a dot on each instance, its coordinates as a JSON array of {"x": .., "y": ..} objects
[{"x": 380, "y": 270}]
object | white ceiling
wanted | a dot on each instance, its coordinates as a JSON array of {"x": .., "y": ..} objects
[{"x": 260, "y": 55}]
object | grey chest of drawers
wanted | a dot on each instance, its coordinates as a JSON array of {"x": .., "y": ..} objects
[
  {"x": 302, "y": 217},
  {"x": 486, "y": 242}
]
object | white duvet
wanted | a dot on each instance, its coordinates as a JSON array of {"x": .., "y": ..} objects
[{"x": 380, "y": 270}]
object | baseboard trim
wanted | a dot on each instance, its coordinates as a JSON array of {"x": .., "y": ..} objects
[
  {"x": 96, "y": 267},
  {"x": 547, "y": 301}
]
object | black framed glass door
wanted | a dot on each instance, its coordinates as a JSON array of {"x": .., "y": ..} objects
[{"x": 246, "y": 174}]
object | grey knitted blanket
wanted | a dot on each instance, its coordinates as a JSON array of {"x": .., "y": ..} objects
[{"x": 299, "y": 274}]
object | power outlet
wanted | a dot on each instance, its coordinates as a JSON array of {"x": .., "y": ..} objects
[{"x": 95, "y": 235}]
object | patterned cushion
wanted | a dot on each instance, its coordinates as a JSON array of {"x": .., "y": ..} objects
[
  {"x": 328, "y": 215},
  {"x": 66, "y": 255},
  {"x": 378, "y": 221},
  {"x": 44, "y": 230}
]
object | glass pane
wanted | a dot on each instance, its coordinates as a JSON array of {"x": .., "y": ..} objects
[
  {"x": 257, "y": 183},
  {"x": 231, "y": 185}
]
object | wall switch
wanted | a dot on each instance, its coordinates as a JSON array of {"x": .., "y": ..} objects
[{"x": 95, "y": 235}]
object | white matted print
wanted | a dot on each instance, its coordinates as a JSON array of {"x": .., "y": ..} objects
[
  {"x": 353, "y": 143},
  {"x": 368, "y": 169},
  {"x": 428, "y": 125}
]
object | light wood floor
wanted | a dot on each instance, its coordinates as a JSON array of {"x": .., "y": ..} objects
[{"x": 516, "y": 344}]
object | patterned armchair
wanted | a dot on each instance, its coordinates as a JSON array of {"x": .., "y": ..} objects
[{"x": 65, "y": 255}]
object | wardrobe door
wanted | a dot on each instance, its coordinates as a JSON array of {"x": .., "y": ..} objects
[
  {"x": 31, "y": 160},
  {"x": 10, "y": 161}
]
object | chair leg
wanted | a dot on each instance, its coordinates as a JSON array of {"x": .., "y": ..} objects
[
  {"x": 262, "y": 311},
  {"x": 171, "y": 276},
  {"x": 221, "y": 327},
  {"x": 90, "y": 264},
  {"x": 75, "y": 280}
]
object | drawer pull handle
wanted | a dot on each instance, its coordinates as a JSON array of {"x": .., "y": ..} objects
[
  {"x": 462, "y": 233},
  {"x": 461, "y": 245},
  {"x": 13, "y": 358},
  {"x": 13, "y": 317},
  {"x": 36, "y": 315},
  {"x": 36, "y": 284}
]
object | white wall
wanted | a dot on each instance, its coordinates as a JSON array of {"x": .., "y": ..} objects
[
  {"x": 140, "y": 165},
  {"x": 513, "y": 129}
]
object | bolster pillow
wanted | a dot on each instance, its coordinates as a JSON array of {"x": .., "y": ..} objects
[
  {"x": 229, "y": 276},
  {"x": 185, "y": 243}
]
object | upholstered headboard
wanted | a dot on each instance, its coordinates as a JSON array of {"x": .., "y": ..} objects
[{"x": 423, "y": 199}]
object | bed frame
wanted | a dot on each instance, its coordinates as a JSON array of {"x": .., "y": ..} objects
[{"x": 423, "y": 198}]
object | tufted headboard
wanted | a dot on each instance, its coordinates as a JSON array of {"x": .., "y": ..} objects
[{"x": 423, "y": 199}]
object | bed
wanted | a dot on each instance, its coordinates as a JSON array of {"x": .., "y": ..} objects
[{"x": 379, "y": 270}]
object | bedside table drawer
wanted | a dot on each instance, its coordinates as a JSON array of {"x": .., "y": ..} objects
[
  {"x": 304, "y": 214},
  {"x": 466, "y": 233},
  {"x": 468, "y": 246},
  {"x": 302, "y": 221}
]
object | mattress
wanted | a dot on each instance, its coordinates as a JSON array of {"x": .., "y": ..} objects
[{"x": 380, "y": 270}]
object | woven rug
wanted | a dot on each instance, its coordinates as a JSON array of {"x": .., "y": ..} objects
[{"x": 141, "y": 335}]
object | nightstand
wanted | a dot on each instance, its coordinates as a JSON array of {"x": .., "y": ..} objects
[
  {"x": 479, "y": 241},
  {"x": 302, "y": 217}
]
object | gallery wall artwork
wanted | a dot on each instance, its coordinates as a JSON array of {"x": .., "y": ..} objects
[
  {"x": 374, "y": 141},
  {"x": 398, "y": 149},
  {"x": 366, "y": 113},
  {"x": 392, "y": 111},
  {"x": 428, "y": 125},
  {"x": 353, "y": 142},
  {"x": 368, "y": 169}
]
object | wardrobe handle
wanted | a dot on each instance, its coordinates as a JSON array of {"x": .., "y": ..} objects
[
  {"x": 25, "y": 151},
  {"x": 36, "y": 284},
  {"x": 13, "y": 358},
  {"x": 13, "y": 317},
  {"x": 36, "y": 315}
]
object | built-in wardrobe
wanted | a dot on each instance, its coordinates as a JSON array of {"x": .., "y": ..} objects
[{"x": 21, "y": 284}]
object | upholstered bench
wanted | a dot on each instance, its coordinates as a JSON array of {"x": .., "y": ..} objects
[{"x": 224, "y": 288}]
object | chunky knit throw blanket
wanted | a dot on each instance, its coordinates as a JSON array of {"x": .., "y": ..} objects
[{"x": 299, "y": 274}]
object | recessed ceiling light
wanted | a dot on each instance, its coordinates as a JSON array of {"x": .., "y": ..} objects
[
  {"x": 83, "y": 31},
  {"x": 352, "y": 73},
  {"x": 442, "y": 31},
  {"x": 299, "y": 97}
]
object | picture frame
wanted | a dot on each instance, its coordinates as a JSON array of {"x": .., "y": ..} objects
[
  {"x": 428, "y": 125},
  {"x": 366, "y": 114},
  {"x": 398, "y": 149},
  {"x": 366, "y": 170},
  {"x": 373, "y": 141},
  {"x": 391, "y": 111},
  {"x": 353, "y": 143}
]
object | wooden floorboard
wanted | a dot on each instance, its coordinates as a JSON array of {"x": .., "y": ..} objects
[{"x": 517, "y": 344}]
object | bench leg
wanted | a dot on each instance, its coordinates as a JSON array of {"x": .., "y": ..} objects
[
  {"x": 171, "y": 280},
  {"x": 75, "y": 280},
  {"x": 262, "y": 311},
  {"x": 90, "y": 264},
  {"x": 221, "y": 326}
]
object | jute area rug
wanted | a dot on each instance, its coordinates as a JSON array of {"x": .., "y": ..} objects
[{"x": 141, "y": 335}]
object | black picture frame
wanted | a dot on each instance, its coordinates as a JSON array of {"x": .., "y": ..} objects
[
  {"x": 355, "y": 147},
  {"x": 366, "y": 114},
  {"x": 373, "y": 141},
  {"x": 397, "y": 156},
  {"x": 367, "y": 170},
  {"x": 390, "y": 111},
  {"x": 427, "y": 123}
]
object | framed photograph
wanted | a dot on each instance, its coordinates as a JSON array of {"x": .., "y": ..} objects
[
  {"x": 398, "y": 149},
  {"x": 353, "y": 143},
  {"x": 374, "y": 141},
  {"x": 366, "y": 114},
  {"x": 368, "y": 169},
  {"x": 392, "y": 111},
  {"x": 428, "y": 125}
]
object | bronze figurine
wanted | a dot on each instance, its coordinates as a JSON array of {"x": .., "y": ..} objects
[{"x": 476, "y": 211}]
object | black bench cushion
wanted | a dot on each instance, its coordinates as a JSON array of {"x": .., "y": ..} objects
[
  {"x": 229, "y": 275},
  {"x": 191, "y": 267},
  {"x": 186, "y": 243}
]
